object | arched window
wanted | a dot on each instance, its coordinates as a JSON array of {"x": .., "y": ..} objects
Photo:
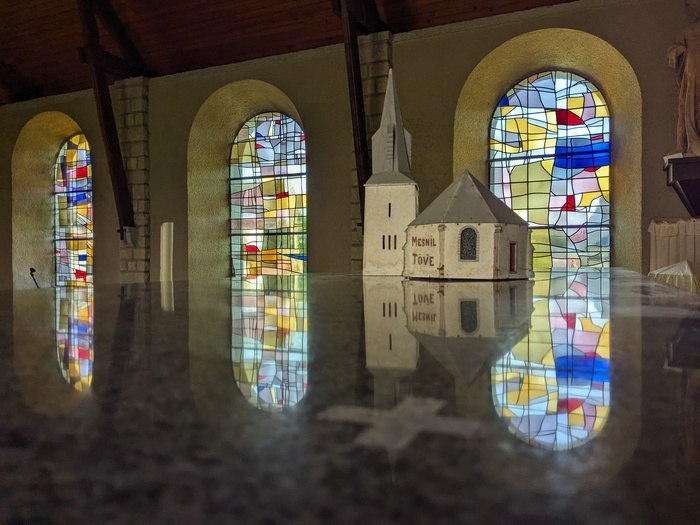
[
  {"x": 468, "y": 245},
  {"x": 268, "y": 197},
  {"x": 550, "y": 160},
  {"x": 73, "y": 238}
]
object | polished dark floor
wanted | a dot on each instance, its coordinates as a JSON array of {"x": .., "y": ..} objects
[{"x": 572, "y": 398}]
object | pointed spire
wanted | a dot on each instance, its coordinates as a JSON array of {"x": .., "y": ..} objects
[{"x": 391, "y": 144}]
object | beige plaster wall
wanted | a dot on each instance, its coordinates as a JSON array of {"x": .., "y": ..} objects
[{"x": 31, "y": 134}]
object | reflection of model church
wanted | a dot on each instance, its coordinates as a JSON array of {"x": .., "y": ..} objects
[{"x": 466, "y": 233}]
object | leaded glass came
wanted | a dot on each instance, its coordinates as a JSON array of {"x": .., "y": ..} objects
[
  {"x": 73, "y": 228},
  {"x": 550, "y": 162},
  {"x": 268, "y": 197}
]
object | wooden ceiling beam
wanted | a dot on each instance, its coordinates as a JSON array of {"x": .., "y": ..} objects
[
  {"x": 105, "y": 113},
  {"x": 111, "y": 22},
  {"x": 364, "y": 14},
  {"x": 349, "y": 11},
  {"x": 110, "y": 63}
]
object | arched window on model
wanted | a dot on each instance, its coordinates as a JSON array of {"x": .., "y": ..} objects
[
  {"x": 468, "y": 248},
  {"x": 268, "y": 197},
  {"x": 73, "y": 248},
  {"x": 269, "y": 351},
  {"x": 550, "y": 162}
]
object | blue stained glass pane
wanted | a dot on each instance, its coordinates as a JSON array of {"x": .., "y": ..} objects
[{"x": 592, "y": 368}]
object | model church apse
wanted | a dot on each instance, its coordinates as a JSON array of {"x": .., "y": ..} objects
[
  {"x": 391, "y": 194},
  {"x": 468, "y": 233}
]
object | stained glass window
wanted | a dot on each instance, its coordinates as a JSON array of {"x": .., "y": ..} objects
[
  {"x": 550, "y": 162},
  {"x": 553, "y": 387},
  {"x": 73, "y": 238},
  {"x": 74, "y": 334},
  {"x": 268, "y": 197},
  {"x": 269, "y": 352}
]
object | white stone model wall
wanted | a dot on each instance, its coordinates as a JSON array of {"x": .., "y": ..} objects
[
  {"x": 385, "y": 235},
  {"x": 433, "y": 251}
]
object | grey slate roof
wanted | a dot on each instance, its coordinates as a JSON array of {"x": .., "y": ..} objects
[
  {"x": 466, "y": 200},
  {"x": 390, "y": 178}
]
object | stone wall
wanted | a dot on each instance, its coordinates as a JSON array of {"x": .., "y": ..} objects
[{"x": 131, "y": 114}]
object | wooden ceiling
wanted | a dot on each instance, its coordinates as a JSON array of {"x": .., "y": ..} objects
[{"x": 39, "y": 39}]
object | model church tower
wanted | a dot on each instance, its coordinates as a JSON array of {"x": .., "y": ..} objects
[{"x": 391, "y": 194}]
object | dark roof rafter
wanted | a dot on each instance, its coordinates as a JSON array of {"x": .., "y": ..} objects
[{"x": 39, "y": 38}]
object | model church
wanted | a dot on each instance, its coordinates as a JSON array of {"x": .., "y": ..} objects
[{"x": 466, "y": 233}]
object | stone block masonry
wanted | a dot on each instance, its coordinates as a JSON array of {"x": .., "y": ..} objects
[{"x": 130, "y": 98}]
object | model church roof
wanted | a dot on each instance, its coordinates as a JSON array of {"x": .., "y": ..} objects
[
  {"x": 466, "y": 200},
  {"x": 391, "y": 144}
]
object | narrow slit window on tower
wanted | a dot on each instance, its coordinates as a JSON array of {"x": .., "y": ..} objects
[
  {"x": 383, "y": 242},
  {"x": 394, "y": 242},
  {"x": 389, "y": 209},
  {"x": 513, "y": 257}
]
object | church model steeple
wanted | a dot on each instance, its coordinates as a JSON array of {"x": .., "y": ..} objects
[{"x": 391, "y": 194}]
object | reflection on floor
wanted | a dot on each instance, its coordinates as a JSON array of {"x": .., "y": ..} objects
[
  {"x": 74, "y": 334},
  {"x": 571, "y": 398},
  {"x": 269, "y": 351}
]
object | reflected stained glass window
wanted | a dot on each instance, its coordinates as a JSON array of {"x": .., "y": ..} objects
[
  {"x": 73, "y": 238},
  {"x": 553, "y": 387},
  {"x": 74, "y": 334},
  {"x": 269, "y": 351},
  {"x": 268, "y": 197},
  {"x": 550, "y": 162}
]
